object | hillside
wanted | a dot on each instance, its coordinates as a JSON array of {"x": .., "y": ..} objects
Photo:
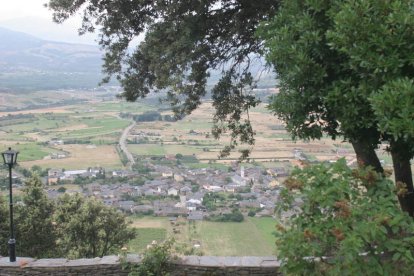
[{"x": 28, "y": 63}]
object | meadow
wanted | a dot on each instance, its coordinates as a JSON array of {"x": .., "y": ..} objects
[{"x": 252, "y": 237}]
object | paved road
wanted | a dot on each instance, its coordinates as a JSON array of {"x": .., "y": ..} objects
[{"x": 123, "y": 144}]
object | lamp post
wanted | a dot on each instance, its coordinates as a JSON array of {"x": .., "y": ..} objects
[{"x": 10, "y": 158}]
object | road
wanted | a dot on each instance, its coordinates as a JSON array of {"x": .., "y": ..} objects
[{"x": 123, "y": 144}]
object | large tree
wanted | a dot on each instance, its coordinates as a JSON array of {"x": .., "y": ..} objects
[
  {"x": 184, "y": 41},
  {"x": 87, "y": 228},
  {"x": 377, "y": 37},
  {"x": 35, "y": 233},
  {"x": 329, "y": 68}
]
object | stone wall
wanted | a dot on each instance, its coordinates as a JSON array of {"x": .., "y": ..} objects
[{"x": 110, "y": 265}]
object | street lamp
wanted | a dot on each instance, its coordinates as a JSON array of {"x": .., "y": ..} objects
[{"x": 10, "y": 158}]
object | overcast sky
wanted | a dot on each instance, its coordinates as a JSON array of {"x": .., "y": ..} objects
[{"x": 10, "y": 9}]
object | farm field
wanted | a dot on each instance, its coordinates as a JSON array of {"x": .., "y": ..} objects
[
  {"x": 81, "y": 156},
  {"x": 253, "y": 237},
  {"x": 90, "y": 132},
  {"x": 99, "y": 124},
  {"x": 191, "y": 136}
]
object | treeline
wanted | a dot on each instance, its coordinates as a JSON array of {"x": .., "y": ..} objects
[
  {"x": 234, "y": 216},
  {"x": 148, "y": 116},
  {"x": 16, "y": 116},
  {"x": 71, "y": 227}
]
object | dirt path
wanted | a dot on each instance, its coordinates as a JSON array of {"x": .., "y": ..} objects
[{"x": 123, "y": 144}]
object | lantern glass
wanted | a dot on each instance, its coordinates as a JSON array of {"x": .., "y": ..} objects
[{"x": 10, "y": 157}]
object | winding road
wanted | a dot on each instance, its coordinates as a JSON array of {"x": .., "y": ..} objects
[{"x": 123, "y": 144}]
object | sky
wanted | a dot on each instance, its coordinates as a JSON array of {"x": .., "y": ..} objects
[
  {"x": 31, "y": 17},
  {"x": 11, "y": 9}
]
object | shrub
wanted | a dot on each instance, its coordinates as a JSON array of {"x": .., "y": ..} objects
[
  {"x": 156, "y": 261},
  {"x": 349, "y": 223}
]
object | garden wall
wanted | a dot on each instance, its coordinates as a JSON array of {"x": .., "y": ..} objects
[{"x": 110, "y": 265}]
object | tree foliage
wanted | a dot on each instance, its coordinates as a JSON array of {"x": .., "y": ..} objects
[
  {"x": 4, "y": 226},
  {"x": 156, "y": 260},
  {"x": 184, "y": 41},
  {"x": 87, "y": 228},
  {"x": 35, "y": 233},
  {"x": 343, "y": 67},
  {"x": 74, "y": 227},
  {"x": 348, "y": 224}
]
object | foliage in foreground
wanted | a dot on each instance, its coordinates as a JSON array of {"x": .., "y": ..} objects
[
  {"x": 75, "y": 227},
  {"x": 349, "y": 223},
  {"x": 155, "y": 262}
]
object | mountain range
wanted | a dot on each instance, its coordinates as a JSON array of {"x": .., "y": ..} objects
[
  {"x": 28, "y": 63},
  {"x": 23, "y": 52}
]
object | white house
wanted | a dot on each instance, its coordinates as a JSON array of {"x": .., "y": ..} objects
[{"x": 172, "y": 191}]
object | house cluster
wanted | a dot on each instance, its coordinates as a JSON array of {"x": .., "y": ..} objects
[
  {"x": 179, "y": 191},
  {"x": 56, "y": 175}
]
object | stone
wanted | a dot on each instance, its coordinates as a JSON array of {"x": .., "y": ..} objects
[
  {"x": 20, "y": 262},
  {"x": 48, "y": 263}
]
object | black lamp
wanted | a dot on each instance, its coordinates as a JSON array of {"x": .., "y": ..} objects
[{"x": 10, "y": 159}]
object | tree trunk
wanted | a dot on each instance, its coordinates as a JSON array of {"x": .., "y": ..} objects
[
  {"x": 403, "y": 174},
  {"x": 366, "y": 155}
]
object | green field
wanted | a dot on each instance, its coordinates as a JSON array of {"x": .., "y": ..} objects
[
  {"x": 96, "y": 123},
  {"x": 253, "y": 237},
  {"x": 157, "y": 149},
  {"x": 144, "y": 237},
  {"x": 30, "y": 151}
]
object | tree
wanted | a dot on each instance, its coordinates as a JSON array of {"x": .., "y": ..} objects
[
  {"x": 377, "y": 39},
  {"x": 35, "y": 232},
  {"x": 330, "y": 76},
  {"x": 184, "y": 41},
  {"x": 87, "y": 228},
  {"x": 349, "y": 222},
  {"x": 316, "y": 94},
  {"x": 4, "y": 227}
]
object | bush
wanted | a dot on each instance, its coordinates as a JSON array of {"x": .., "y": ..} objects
[
  {"x": 251, "y": 213},
  {"x": 235, "y": 216},
  {"x": 156, "y": 261},
  {"x": 349, "y": 223}
]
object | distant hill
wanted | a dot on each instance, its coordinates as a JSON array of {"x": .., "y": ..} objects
[
  {"x": 20, "y": 51},
  {"x": 46, "y": 29},
  {"x": 28, "y": 63}
]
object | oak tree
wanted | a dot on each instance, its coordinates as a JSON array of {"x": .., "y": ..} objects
[
  {"x": 184, "y": 41},
  {"x": 336, "y": 61}
]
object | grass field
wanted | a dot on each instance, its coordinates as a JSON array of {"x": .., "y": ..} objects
[
  {"x": 253, "y": 237},
  {"x": 81, "y": 156},
  {"x": 157, "y": 149},
  {"x": 145, "y": 236},
  {"x": 96, "y": 122}
]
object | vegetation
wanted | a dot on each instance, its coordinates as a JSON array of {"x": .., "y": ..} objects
[
  {"x": 234, "y": 216},
  {"x": 252, "y": 237},
  {"x": 183, "y": 43},
  {"x": 338, "y": 62},
  {"x": 35, "y": 231},
  {"x": 144, "y": 237},
  {"x": 349, "y": 223},
  {"x": 156, "y": 260},
  {"x": 4, "y": 226},
  {"x": 76, "y": 227},
  {"x": 100, "y": 229}
]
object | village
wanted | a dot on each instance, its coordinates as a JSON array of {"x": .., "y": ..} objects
[{"x": 196, "y": 194}]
